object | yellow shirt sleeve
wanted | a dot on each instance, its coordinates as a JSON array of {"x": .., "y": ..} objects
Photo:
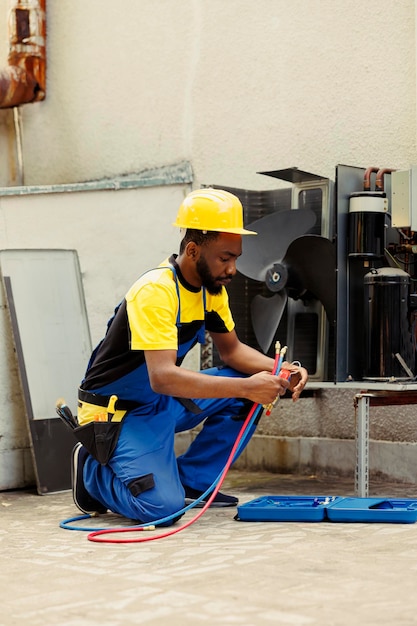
[{"x": 153, "y": 323}]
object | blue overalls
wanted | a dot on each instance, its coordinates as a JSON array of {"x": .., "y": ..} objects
[{"x": 143, "y": 480}]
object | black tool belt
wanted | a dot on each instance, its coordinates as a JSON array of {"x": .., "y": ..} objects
[{"x": 103, "y": 401}]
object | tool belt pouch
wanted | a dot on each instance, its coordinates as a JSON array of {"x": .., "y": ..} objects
[{"x": 99, "y": 438}]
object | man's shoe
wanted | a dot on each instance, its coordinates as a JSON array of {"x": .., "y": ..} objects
[
  {"x": 221, "y": 499},
  {"x": 82, "y": 499}
]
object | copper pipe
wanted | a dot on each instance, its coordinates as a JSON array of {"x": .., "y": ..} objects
[
  {"x": 379, "y": 183},
  {"x": 24, "y": 80},
  {"x": 367, "y": 178}
]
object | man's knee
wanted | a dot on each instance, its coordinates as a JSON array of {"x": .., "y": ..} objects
[{"x": 154, "y": 504}]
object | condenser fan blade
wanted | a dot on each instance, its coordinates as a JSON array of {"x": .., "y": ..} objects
[
  {"x": 266, "y": 316},
  {"x": 313, "y": 261},
  {"x": 275, "y": 233}
]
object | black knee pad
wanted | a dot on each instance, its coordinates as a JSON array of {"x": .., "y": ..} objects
[{"x": 141, "y": 484}]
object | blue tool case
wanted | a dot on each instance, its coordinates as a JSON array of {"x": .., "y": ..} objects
[{"x": 328, "y": 508}]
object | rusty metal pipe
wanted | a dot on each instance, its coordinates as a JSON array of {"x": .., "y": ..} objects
[
  {"x": 24, "y": 80},
  {"x": 16, "y": 87}
]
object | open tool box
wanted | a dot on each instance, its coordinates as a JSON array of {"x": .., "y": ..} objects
[{"x": 328, "y": 508}]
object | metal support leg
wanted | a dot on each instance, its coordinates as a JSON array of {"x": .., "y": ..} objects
[{"x": 362, "y": 445}]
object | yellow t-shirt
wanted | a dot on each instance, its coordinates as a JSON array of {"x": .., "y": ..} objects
[{"x": 161, "y": 311}]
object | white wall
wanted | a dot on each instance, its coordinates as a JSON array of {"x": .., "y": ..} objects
[{"x": 233, "y": 86}]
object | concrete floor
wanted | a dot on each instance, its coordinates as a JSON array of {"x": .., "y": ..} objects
[{"x": 217, "y": 571}]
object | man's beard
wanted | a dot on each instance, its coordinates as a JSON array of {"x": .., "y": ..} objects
[{"x": 207, "y": 279}]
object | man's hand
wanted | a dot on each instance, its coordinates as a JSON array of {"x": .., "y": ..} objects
[
  {"x": 264, "y": 387},
  {"x": 298, "y": 380}
]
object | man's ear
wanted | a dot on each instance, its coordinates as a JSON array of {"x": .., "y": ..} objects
[{"x": 192, "y": 250}]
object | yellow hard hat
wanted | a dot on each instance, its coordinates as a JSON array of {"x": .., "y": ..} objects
[{"x": 212, "y": 209}]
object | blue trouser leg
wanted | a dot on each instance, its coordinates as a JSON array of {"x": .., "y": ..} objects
[{"x": 208, "y": 453}]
